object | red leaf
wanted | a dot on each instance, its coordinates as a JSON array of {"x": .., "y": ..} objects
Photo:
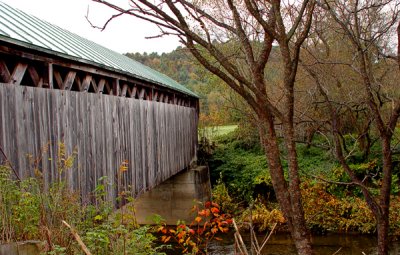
[{"x": 214, "y": 210}]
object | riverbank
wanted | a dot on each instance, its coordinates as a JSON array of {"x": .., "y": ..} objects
[{"x": 240, "y": 178}]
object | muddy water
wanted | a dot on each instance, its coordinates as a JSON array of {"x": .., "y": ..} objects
[{"x": 280, "y": 244}]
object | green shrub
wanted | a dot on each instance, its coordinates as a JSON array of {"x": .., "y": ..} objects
[
  {"x": 29, "y": 211},
  {"x": 220, "y": 195},
  {"x": 240, "y": 170},
  {"x": 19, "y": 207}
]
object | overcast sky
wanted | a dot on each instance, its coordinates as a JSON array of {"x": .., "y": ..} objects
[{"x": 123, "y": 34}]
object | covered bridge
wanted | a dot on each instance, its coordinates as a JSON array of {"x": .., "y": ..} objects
[{"x": 107, "y": 109}]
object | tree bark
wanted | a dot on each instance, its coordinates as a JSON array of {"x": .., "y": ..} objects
[
  {"x": 288, "y": 195},
  {"x": 383, "y": 217},
  {"x": 300, "y": 231},
  {"x": 383, "y": 234}
]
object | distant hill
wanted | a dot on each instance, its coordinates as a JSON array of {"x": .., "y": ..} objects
[{"x": 178, "y": 64}]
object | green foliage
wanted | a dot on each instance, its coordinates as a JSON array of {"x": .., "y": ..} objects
[
  {"x": 240, "y": 169},
  {"x": 29, "y": 211},
  {"x": 57, "y": 250},
  {"x": 314, "y": 161},
  {"x": 220, "y": 195},
  {"x": 241, "y": 163},
  {"x": 178, "y": 64},
  {"x": 239, "y": 172},
  {"x": 19, "y": 203}
]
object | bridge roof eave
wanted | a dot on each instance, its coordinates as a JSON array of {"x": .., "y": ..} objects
[{"x": 93, "y": 63}]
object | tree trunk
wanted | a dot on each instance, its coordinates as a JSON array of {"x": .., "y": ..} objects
[
  {"x": 383, "y": 233},
  {"x": 288, "y": 196},
  {"x": 300, "y": 231},
  {"x": 384, "y": 200}
]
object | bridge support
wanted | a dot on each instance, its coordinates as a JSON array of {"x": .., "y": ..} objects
[{"x": 174, "y": 198}]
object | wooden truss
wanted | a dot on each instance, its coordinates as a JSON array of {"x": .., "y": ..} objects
[{"x": 30, "y": 68}]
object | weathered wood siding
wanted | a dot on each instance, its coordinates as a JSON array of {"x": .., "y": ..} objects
[{"x": 158, "y": 140}]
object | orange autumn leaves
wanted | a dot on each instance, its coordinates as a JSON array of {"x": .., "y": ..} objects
[{"x": 194, "y": 238}]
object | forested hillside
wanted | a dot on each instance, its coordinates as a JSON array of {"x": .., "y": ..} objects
[{"x": 177, "y": 64}]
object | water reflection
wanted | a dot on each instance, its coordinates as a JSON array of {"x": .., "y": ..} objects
[{"x": 280, "y": 244}]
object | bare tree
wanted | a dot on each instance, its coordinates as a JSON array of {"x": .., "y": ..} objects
[
  {"x": 366, "y": 31},
  {"x": 233, "y": 40}
]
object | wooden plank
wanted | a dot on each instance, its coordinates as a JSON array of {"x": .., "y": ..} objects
[
  {"x": 5, "y": 115},
  {"x": 90, "y": 171},
  {"x": 14, "y": 151},
  {"x": 94, "y": 85},
  {"x": 33, "y": 106},
  {"x": 109, "y": 143},
  {"x": 78, "y": 83},
  {"x": 37, "y": 80},
  {"x": 69, "y": 80},
  {"x": 51, "y": 99},
  {"x": 131, "y": 144},
  {"x": 19, "y": 132},
  {"x": 149, "y": 144},
  {"x": 116, "y": 88},
  {"x": 50, "y": 75},
  {"x": 82, "y": 182},
  {"x": 4, "y": 72},
  {"x": 157, "y": 125},
  {"x": 124, "y": 90},
  {"x": 59, "y": 79},
  {"x": 46, "y": 125},
  {"x": 74, "y": 134},
  {"x": 117, "y": 140},
  {"x": 92, "y": 167},
  {"x": 86, "y": 83},
  {"x": 97, "y": 144},
  {"x": 134, "y": 91},
  {"x": 142, "y": 93},
  {"x": 100, "y": 86},
  {"x": 126, "y": 148},
  {"x": 139, "y": 163},
  {"x": 18, "y": 73},
  {"x": 164, "y": 143},
  {"x": 143, "y": 139},
  {"x": 2, "y": 123}
]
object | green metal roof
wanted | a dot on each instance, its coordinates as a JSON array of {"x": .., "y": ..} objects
[{"x": 26, "y": 30}]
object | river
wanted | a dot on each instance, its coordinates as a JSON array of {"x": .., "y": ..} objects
[{"x": 280, "y": 244}]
